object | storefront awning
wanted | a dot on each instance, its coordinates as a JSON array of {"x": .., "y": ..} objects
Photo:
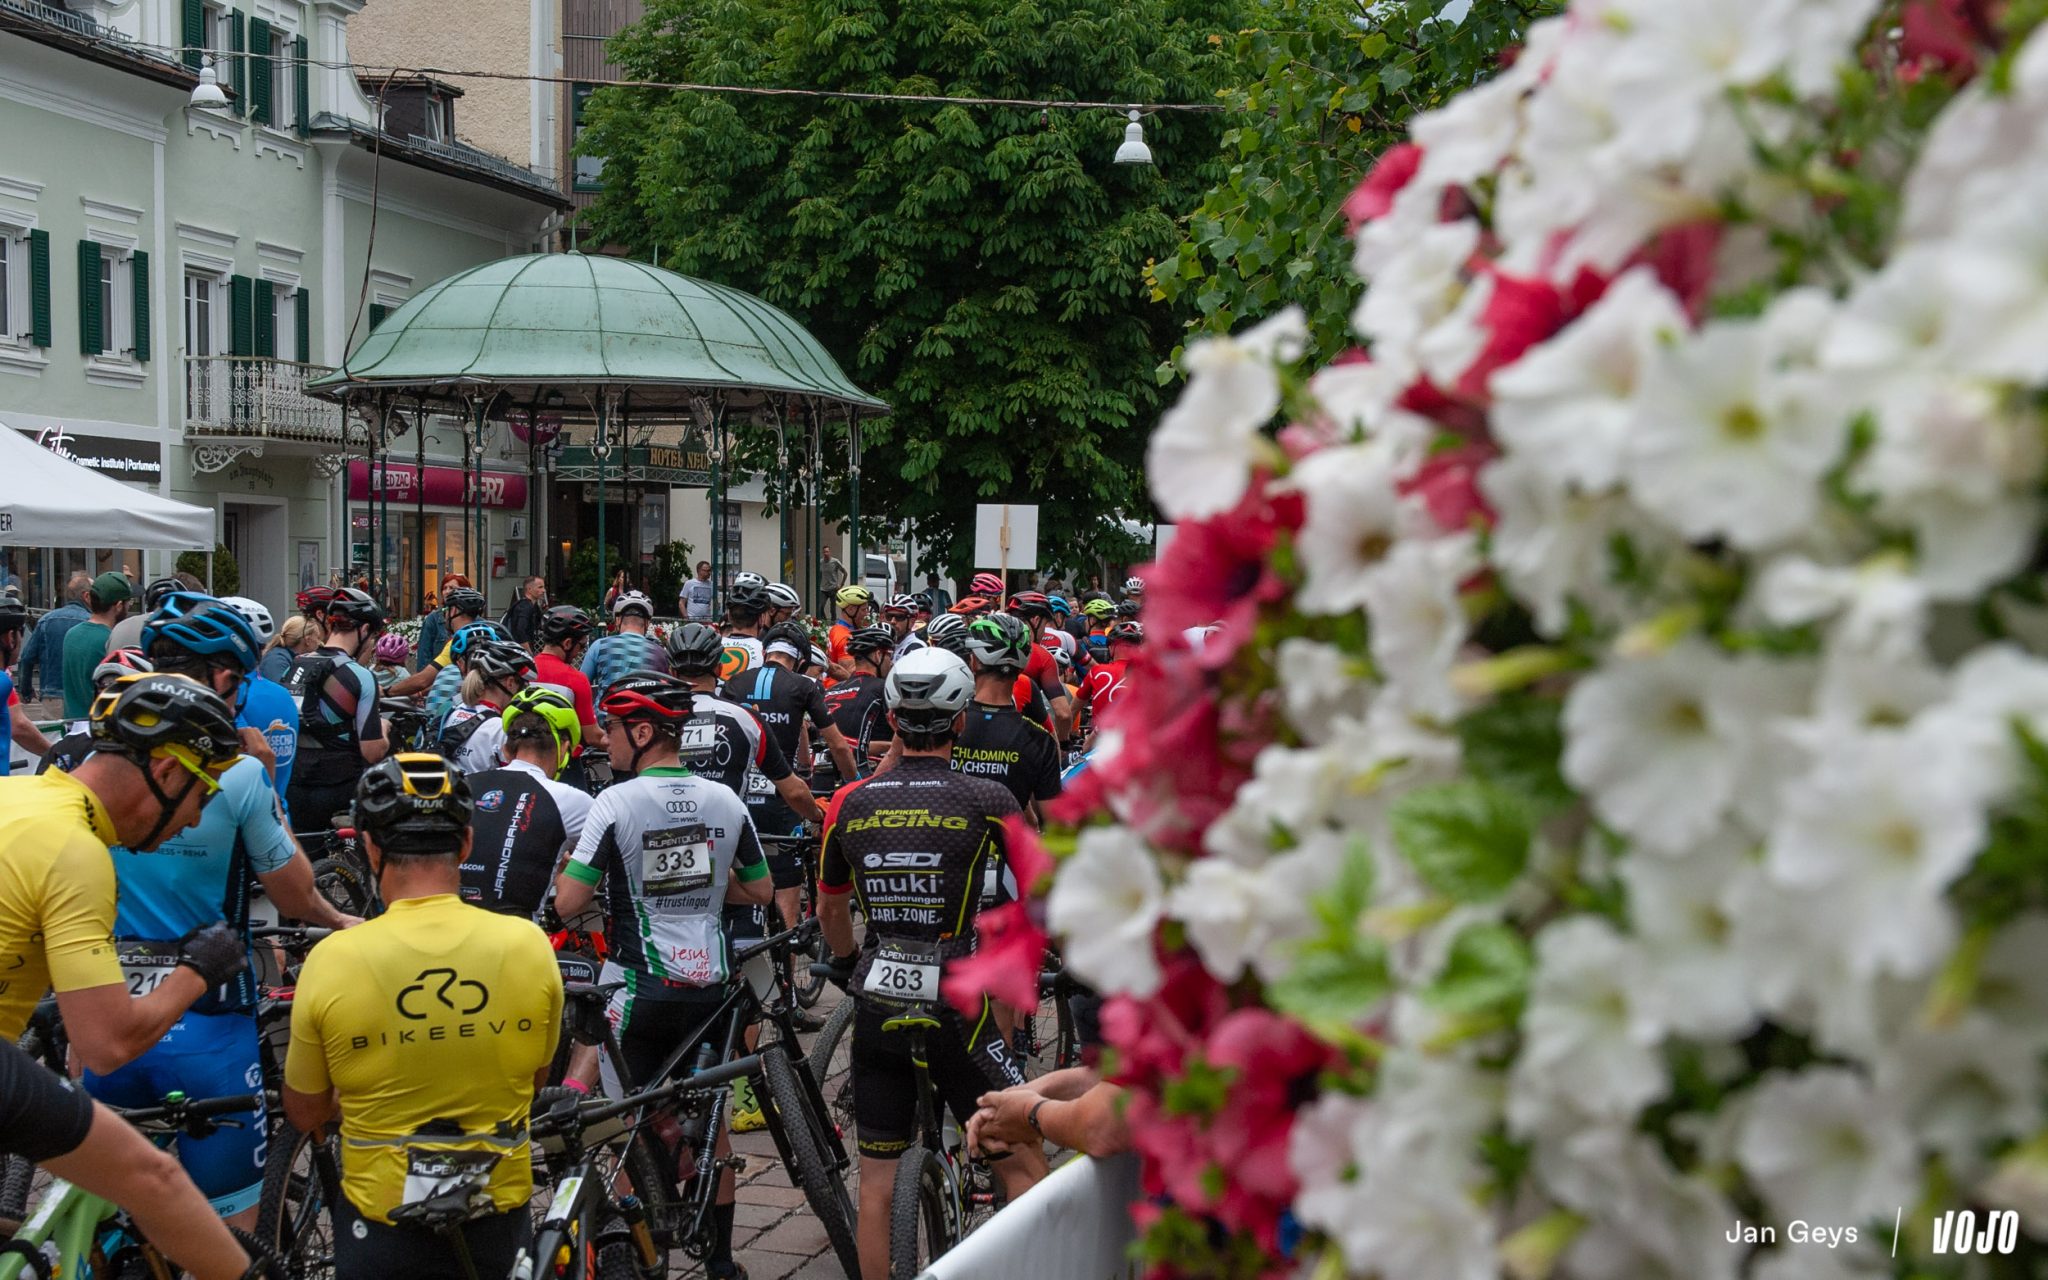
[{"x": 47, "y": 501}]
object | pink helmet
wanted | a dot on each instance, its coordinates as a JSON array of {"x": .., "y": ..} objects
[
  {"x": 986, "y": 584},
  {"x": 392, "y": 648}
]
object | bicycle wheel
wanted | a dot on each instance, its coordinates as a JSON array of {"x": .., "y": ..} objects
[
  {"x": 802, "y": 1128},
  {"x": 342, "y": 885},
  {"x": 295, "y": 1217},
  {"x": 921, "y": 1225},
  {"x": 16, "y": 1177},
  {"x": 831, "y": 1060}
]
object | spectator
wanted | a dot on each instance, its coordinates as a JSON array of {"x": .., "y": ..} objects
[
  {"x": 523, "y": 618},
  {"x": 831, "y": 577},
  {"x": 85, "y": 644},
  {"x": 45, "y": 650},
  {"x": 1071, "y": 1108},
  {"x": 299, "y": 635},
  {"x": 694, "y": 601},
  {"x": 942, "y": 599},
  {"x": 129, "y": 634},
  {"x": 434, "y": 629}
]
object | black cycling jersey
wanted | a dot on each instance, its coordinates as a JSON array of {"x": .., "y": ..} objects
[
  {"x": 784, "y": 700},
  {"x": 724, "y": 741},
  {"x": 859, "y": 707},
  {"x": 1002, "y": 744},
  {"x": 519, "y": 837}
]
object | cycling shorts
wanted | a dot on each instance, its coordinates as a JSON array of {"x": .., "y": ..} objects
[
  {"x": 966, "y": 1061},
  {"x": 204, "y": 1055},
  {"x": 42, "y": 1115},
  {"x": 369, "y": 1250},
  {"x": 785, "y": 865},
  {"x": 652, "y": 1018},
  {"x": 745, "y": 922}
]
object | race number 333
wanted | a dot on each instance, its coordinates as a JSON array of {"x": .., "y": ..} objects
[
  {"x": 677, "y": 860},
  {"x": 905, "y": 970}
]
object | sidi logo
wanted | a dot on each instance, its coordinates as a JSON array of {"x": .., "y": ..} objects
[{"x": 1957, "y": 1232}]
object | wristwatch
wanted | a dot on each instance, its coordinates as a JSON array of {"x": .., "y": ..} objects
[{"x": 1031, "y": 1117}]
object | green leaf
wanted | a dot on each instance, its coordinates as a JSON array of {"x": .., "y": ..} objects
[
  {"x": 1202, "y": 1090},
  {"x": 1373, "y": 45},
  {"x": 1488, "y": 971},
  {"x": 1330, "y": 987},
  {"x": 1467, "y": 840},
  {"x": 1517, "y": 744}
]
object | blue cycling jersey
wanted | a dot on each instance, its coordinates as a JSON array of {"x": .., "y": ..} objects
[
  {"x": 198, "y": 876},
  {"x": 270, "y": 711},
  {"x": 276, "y": 664},
  {"x": 613, "y": 656},
  {"x": 442, "y": 696}
]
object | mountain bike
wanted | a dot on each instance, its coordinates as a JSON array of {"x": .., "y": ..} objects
[
  {"x": 805, "y": 986},
  {"x": 72, "y": 1232}
]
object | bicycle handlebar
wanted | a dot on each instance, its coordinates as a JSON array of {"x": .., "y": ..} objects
[
  {"x": 599, "y": 1109},
  {"x": 291, "y": 932},
  {"x": 787, "y": 937},
  {"x": 185, "y": 1115}
]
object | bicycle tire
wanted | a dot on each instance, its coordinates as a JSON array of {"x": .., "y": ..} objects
[
  {"x": 341, "y": 884},
  {"x": 294, "y": 1204},
  {"x": 823, "y": 1189},
  {"x": 17, "y": 1178},
  {"x": 832, "y": 1052},
  {"x": 921, "y": 1228},
  {"x": 621, "y": 1262}
]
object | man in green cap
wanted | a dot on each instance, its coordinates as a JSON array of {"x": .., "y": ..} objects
[{"x": 85, "y": 645}]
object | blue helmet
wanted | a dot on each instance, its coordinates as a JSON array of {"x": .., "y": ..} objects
[
  {"x": 201, "y": 624},
  {"x": 1060, "y": 607},
  {"x": 473, "y": 634}
]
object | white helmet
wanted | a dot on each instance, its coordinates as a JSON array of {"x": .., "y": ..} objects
[
  {"x": 256, "y": 615},
  {"x": 782, "y": 596},
  {"x": 628, "y": 601},
  {"x": 748, "y": 578},
  {"x": 1134, "y": 586},
  {"x": 926, "y": 689}
]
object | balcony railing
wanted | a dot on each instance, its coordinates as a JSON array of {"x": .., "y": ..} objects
[{"x": 257, "y": 398}]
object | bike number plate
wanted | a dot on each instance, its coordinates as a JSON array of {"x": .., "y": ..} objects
[
  {"x": 576, "y": 968},
  {"x": 564, "y": 1201},
  {"x": 905, "y": 971},
  {"x": 436, "y": 1172},
  {"x": 699, "y": 736},
  {"x": 758, "y": 784},
  {"x": 145, "y": 965},
  {"x": 677, "y": 860}
]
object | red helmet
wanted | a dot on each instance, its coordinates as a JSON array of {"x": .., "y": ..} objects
[
  {"x": 1031, "y": 604},
  {"x": 647, "y": 695},
  {"x": 969, "y": 606},
  {"x": 986, "y": 584},
  {"x": 314, "y": 600}
]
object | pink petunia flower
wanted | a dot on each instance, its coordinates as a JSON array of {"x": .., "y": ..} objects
[{"x": 1374, "y": 197}]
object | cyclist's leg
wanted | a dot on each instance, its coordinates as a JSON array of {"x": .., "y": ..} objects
[
  {"x": 117, "y": 1163},
  {"x": 975, "y": 1059},
  {"x": 649, "y": 1031},
  {"x": 885, "y": 1124}
]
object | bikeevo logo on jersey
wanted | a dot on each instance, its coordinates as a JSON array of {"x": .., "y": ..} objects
[{"x": 449, "y": 980}]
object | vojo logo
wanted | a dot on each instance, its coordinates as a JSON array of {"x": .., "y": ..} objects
[{"x": 1957, "y": 1232}]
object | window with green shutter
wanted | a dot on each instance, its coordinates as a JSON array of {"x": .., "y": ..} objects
[
  {"x": 39, "y": 331},
  {"x": 259, "y": 71},
  {"x": 138, "y": 265},
  {"x": 194, "y": 34},
  {"x": 90, "y": 334},
  {"x": 241, "y": 316},
  {"x": 265, "y": 317},
  {"x": 377, "y": 314},
  {"x": 302, "y": 77},
  {"x": 237, "y": 45},
  {"x": 302, "y": 326}
]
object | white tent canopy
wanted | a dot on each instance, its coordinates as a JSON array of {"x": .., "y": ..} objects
[{"x": 46, "y": 501}]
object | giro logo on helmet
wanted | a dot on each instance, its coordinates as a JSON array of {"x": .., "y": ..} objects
[{"x": 449, "y": 981}]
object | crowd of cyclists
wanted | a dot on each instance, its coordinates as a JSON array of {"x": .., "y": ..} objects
[{"x": 672, "y": 795}]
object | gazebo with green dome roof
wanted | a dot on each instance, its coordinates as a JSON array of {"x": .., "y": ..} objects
[{"x": 609, "y": 343}]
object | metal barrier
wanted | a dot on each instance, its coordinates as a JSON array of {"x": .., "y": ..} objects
[{"x": 1076, "y": 1225}]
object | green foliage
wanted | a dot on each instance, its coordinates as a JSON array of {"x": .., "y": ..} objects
[
  {"x": 978, "y": 268},
  {"x": 2011, "y": 876},
  {"x": 581, "y": 584},
  {"x": 1341, "y": 971},
  {"x": 1468, "y": 840},
  {"x": 1330, "y": 85},
  {"x": 673, "y": 566},
  {"x": 227, "y": 575},
  {"x": 1485, "y": 976},
  {"x": 1516, "y": 743}
]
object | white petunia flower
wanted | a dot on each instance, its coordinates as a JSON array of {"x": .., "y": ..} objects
[
  {"x": 1237, "y": 917},
  {"x": 1104, "y": 905},
  {"x": 1589, "y": 1046},
  {"x": 1996, "y": 266},
  {"x": 1318, "y": 683},
  {"x": 1417, "y": 621},
  {"x": 1725, "y": 444},
  {"x": 2012, "y": 978},
  {"x": 1554, "y": 545},
  {"x": 1417, "y": 289},
  {"x": 1883, "y": 608},
  {"x": 1823, "y": 1146},
  {"x": 1200, "y": 456},
  {"x": 1643, "y": 1220},
  {"x": 1658, "y": 743},
  {"x": 1679, "y": 909},
  {"x": 1799, "y": 974},
  {"x": 1354, "y": 516},
  {"x": 1961, "y": 1087},
  {"x": 1566, "y": 404}
]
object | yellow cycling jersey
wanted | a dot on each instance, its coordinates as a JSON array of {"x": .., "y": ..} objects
[
  {"x": 429, "y": 1023},
  {"x": 56, "y": 894}
]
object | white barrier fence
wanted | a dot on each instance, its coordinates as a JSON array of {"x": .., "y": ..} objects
[{"x": 1076, "y": 1225}]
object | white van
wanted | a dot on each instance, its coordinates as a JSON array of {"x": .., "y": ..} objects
[{"x": 879, "y": 574}]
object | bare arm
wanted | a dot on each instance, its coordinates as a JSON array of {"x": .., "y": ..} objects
[
  {"x": 799, "y": 799},
  {"x": 308, "y": 1112},
  {"x": 291, "y": 888},
  {"x": 26, "y": 733},
  {"x": 835, "y": 917},
  {"x": 254, "y": 743},
  {"x": 754, "y": 893},
  {"x": 572, "y": 896},
  {"x": 117, "y": 1163},
  {"x": 418, "y": 682},
  {"x": 842, "y": 751},
  {"x": 892, "y": 759},
  {"x": 109, "y": 1028}
]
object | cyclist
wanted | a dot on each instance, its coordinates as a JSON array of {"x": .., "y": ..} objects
[
  {"x": 14, "y": 722},
  {"x": 526, "y": 820},
  {"x": 68, "y": 751},
  {"x": 340, "y": 732},
  {"x": 897, "y": 616},
  {"x": 856, "y": 703},
  {"x": 161, "y": 742},
  {"x": 951, "y": 829},
  {"x": 565, "y": 633},
  {"x": 390, "y": 652},
  {"x": 999, "y": 741},
  {"x": 446, "y": 690},
  {"x": 745, "y": 602},
  {"x": 628, "y": 648},
  {"x": 786, "y": 701},
  {"x": 266, "y": 706},
  {"x": 1134, "y": 593},
  {"x": 1106, "y": 679},
  {"x": 783, "y": 604},
  {"x": 197, "y": 878},
  {"x": 724, "y": 740},
  {"x": 498, "y": 670},
  {"x": 463, "y": 607},
  {"x": 970, "y": 607},
  {"x": 666, "y": 850},
  {"x": 855, "y": 604},
  {"x": 988, "y": 586},
  {"x": 428, "y": 1029},
  {"x": 1035, "y": 610},
  {"x": 1098, "y": 613}
]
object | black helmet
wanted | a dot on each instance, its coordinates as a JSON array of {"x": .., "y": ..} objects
[
  {"x": 793, "y": 634},
  {"x": 647, "y": 695},
  {"x": 565, "y": 623},
  {"x": 140, "y": 714},
  {"x": 501, "y": 661},
  {"x": 355, "y": 606},
  {"x": 871, "y": 640},
  {"x": 694, "y": 649},
  {"x": 13, "y": 614},
  {"x": 1127, "y": 608},
  {"x": 153, "y": 594},
  {"x": 467, "y": 601},
  {"x": 746, "y": 598},
  {"x": 414, "y": 802},
  {"x": 1125, "y": 631}
]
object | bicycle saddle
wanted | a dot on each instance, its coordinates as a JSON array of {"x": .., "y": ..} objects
[
  {"x": 910, "y": 1021},
  {"x": 450, "y": 1208},
  {"x": 590, "y": 990}
]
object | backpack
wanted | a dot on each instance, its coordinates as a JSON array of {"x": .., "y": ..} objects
[{"x": 454, "y": 737}]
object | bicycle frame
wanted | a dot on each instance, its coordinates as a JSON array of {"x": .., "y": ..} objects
[{"x": 61, "y": 1231}]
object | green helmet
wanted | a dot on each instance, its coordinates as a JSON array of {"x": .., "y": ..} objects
[{"x": 555, "y": 711}]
